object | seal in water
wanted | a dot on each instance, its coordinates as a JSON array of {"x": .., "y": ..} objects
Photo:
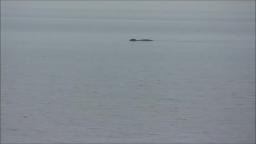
[{"x": 140, "y": 40}]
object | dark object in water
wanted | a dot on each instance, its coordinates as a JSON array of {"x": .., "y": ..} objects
[{"x": 140, "y": 40}]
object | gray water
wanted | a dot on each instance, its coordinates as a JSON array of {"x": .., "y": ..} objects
[{"x": 70, "y": 74}]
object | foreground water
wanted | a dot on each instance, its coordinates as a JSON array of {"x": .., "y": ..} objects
[{"x": 70, "y": 74}]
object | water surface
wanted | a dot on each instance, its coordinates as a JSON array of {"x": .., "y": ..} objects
[{"x": 70, "y": 74}]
